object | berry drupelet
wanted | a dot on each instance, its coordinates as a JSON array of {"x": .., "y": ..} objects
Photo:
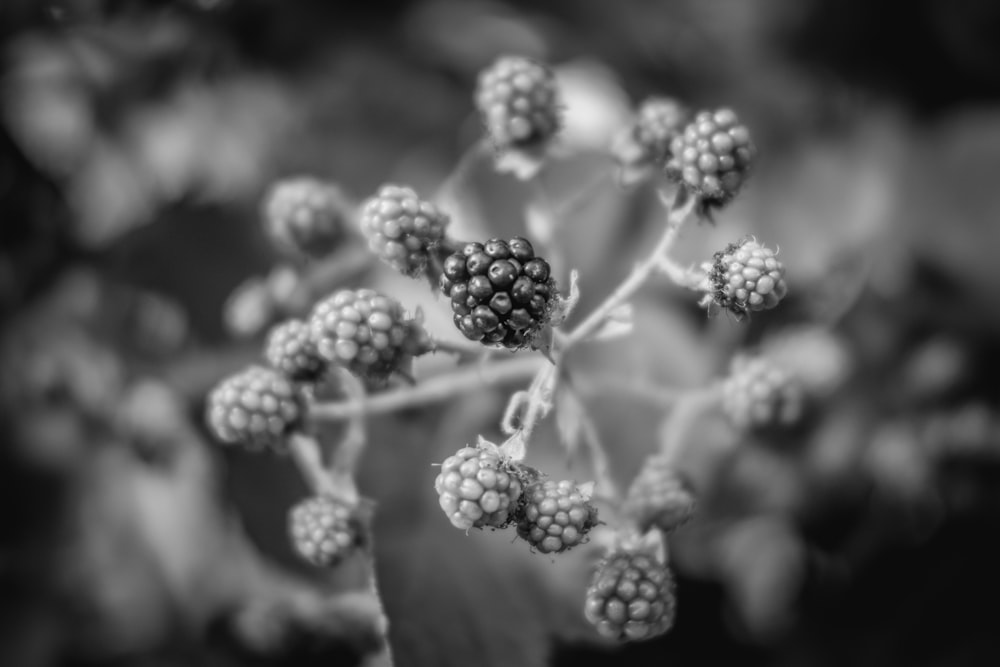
[
  {"x": 631, "y": 596},
  {"x": 290, "y": 350},
  {"x": 555, "y": 516},
  {"x": 501, "y": 293},
  {"x": 658, "y": 497},
  {"x": 305, "y": 215},
  {"x": 747, "y": 277},
  {"x": 323, "y": 530},
  {"x": 518, "y": 101},
  {"x": 711, "y": 158},
  {"x": 759, "y": 394},
  {"x": 477, "y": 487}
]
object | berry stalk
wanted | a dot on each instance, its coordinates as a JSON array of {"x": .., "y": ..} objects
[
  {"x": 676, "y": 218},
  {"x": 432, "y": 390}
]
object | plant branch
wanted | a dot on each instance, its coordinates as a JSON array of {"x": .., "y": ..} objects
[
  {"x": 306, "y": 453},
  {"x": 677, "y": 425},
  {"x": 433, "y": 390},
  {"x": 636, "y": 279}
]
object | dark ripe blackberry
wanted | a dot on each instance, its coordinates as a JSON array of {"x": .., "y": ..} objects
[{"x": 501, "y": 294}]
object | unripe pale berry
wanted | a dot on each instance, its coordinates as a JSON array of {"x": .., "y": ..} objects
[
  {"x": 647, "y": 142},
  {"x": 323, "y": 530},
  {"x": 759, "y": 394},
  {"x": 555, "y": 516},
  {"x": 257, "y": 407},
  {"x": 658, "y": 497},
  {"x": 747, "y": 277},
  {"x": 366, "y": 332},
  {"x": 711, "y": 158},
  {"x": 290, "y": 350},
  {"x": 477, "y": 487},
  {"x": 519, "y": 103},
  {"x": 401, "y": 228},
  {"x": 631, "y": 597},
  {"x": 305, "y": 215}
]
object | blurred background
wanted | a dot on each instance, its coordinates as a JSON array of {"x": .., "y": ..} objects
[{"x": 138, "y": 137}]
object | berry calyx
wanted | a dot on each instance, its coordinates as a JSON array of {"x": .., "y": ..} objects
[
  {"x": 305, "y": 215},
  {"x": 477, "y": 487},
  {"x": 290, "y": 350},
  {"x": 257, "y": 407},
  {"x": 323, "y": 530},
  {"x": 759, "y": 394},
  {"x": 501, "y": 293},
  {"x": 631, "y": 597},
  {"x": 658, "y": 497},
  {"x": 519, "y": 103},
  {"x": 555, "y": 516},
  {"x": 747, "y": 277},
  {"x": 712, "y": 157},
  {"x": 402, "y": 229},
  {"x": 366, "y": 332}
]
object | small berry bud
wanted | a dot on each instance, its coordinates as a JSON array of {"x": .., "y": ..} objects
[
  {"x": 290, "y": 350},
  {"x": 658, "y": 497},
  {"x": 711, "y": 158},
  {"x": 555, "y": 516},
  {"x": 758, "y": 394},
  {"x": 324, "y": 531},
  {"x": 305, "y": 215},
  {"x": 646, "y": 143},
  {"x": 257, "y": 407},
  {"x": 631, "y": 597},
  {"x": 401, "y": 228},
  {"x": 747, "y": 277}
]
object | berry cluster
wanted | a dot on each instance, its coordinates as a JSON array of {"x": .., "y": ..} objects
[
  {"x": 366, "y": 332},
  {"x": 747, "y": 277},
  {"x": 257, "y": 407},
  {"x": 323, "y": 530},
  {"x": 658, "y": 497},
  {"x": 555, "y": 516},
  {"x": 519, "y": 103},
  {"x": 759, "y": 394},
  {"x": 631, "y": 596},
  {"x": 306, "y": 215},
  {"x": 500, "y": 292},
  {"x": 711, "y": 158},
  {"x": 402, "y": 229}
]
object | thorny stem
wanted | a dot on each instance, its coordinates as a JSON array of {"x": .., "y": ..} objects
[
  {"x": 432, "y": 390},
  {"x": 636, "y": 279}
]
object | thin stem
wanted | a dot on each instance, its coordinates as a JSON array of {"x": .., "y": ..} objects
[
  {"x": 305, "y": 451},
  {"x": 460, "y": 347},
  {"x": 430, "y": 391},
  {"x": 678, "y": 424},
  {"x": 345, "y": 457},
  {"x": 635, "y": 280},
  {"x": 599, "y": 459}
]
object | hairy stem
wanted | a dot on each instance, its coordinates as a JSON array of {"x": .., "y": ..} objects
[{"x": 433, "y": 390}]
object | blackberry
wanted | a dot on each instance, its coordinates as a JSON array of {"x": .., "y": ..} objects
[
  {"x": 658, "y": 497},
  {"x": 646, "y": 143},
  {"x": 555, "y": 516},
  {"x": 290, "y": 350},
  {"x": 305, "y": 215},
  {"x": 324, "y": 531},
  {"x": 477, "y": 487},
  {"x": 519, "y": 103},
  {"x": 711, "y": 158},
  {"x": 501, "y": 294},
  {"x": 631, "y": 596},
  {"x": 401, "y": 228},
  {"x": 747, "y": 277},
  {"x": 759, "y": 394},
  {"x": 820, "y": 359},
  {"x": 366, "y": 332},
  {"x": 256, "y": 407}
]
